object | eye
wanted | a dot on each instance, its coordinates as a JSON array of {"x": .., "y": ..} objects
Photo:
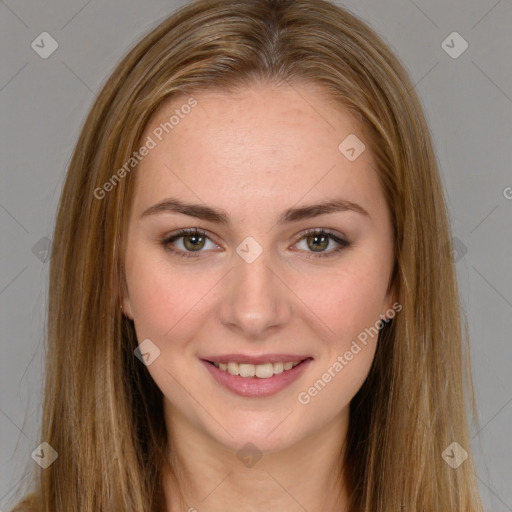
[
  {"x": 194, "y": 240},
  {"x": 319, "y": 239}
]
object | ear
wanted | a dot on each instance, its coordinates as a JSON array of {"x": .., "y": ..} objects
[
  {"x": 389, "y": 300},
  {"x": 126, "y": 305}
]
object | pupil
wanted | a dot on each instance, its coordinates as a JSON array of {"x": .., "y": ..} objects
[
  {"x": 316, "y": 237},
  {"x": 197, "y": 239}
]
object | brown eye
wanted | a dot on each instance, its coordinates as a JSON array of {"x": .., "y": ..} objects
[
  {"x": 193, "y": 242},
  {"x": 318, "y": 242}
]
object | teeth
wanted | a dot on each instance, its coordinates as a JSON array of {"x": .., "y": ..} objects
[
  {"x": 233, "y": 368},
  {"x": 246, "y": 370},
  {"x": 262, "y": 371},
  {"x": 278, "y": 367}
]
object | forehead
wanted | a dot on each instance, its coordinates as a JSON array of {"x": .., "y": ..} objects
[
  {"x": 255, "y": 119},
  {"x": 279, "y": 143}
]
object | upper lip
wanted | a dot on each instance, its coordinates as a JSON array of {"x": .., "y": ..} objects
[{"x": 264, "y": 358}]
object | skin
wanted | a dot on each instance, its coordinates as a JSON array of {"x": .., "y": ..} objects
[{"x": 254, "y": 154}]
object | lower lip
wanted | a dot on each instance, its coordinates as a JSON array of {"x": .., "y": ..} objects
[{"x": 254, "y": 386}]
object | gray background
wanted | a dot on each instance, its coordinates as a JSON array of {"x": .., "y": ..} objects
[{"x": 469, "y": 106}]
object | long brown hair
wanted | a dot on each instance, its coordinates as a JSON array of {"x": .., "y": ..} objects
[{"x": 102, "y": 411}]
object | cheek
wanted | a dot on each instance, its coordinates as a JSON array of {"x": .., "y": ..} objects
[
  {"x": 346, "y": 302},
  {"x": 162, "y": 300},
  {"x": 349, "y": 306},
  {"x": 166, "y": 300}
]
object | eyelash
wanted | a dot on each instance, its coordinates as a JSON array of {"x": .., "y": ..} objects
[{"x": 166, "y": 242}]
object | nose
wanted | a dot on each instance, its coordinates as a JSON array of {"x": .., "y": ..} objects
[{"x": 256, "y": 301}]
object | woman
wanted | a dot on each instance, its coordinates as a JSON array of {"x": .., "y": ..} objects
[{"x": 253, "y": 303}]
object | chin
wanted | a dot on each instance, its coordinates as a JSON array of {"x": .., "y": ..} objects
[{"x": 267, "y": 437}]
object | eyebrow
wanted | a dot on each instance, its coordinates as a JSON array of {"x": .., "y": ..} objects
[{"x": 218, "y": 216}]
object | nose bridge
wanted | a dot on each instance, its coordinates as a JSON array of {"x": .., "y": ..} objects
[{"x": 255, "y": 300}]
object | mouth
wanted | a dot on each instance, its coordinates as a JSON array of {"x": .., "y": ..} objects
[{"x": 256, "y": 380}]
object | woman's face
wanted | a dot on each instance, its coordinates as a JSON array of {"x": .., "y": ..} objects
[{"x": 253, "y": 285}]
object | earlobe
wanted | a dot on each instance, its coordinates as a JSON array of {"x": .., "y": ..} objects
[
  {"x": 390, "y": 305},
  {"x": 126, "y": 308},
  {"x": 389, "y": 312},
  {"x": 126, "y": 305}
]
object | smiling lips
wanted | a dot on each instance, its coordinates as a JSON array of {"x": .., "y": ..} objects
[{"x": 256, "y": 376}]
